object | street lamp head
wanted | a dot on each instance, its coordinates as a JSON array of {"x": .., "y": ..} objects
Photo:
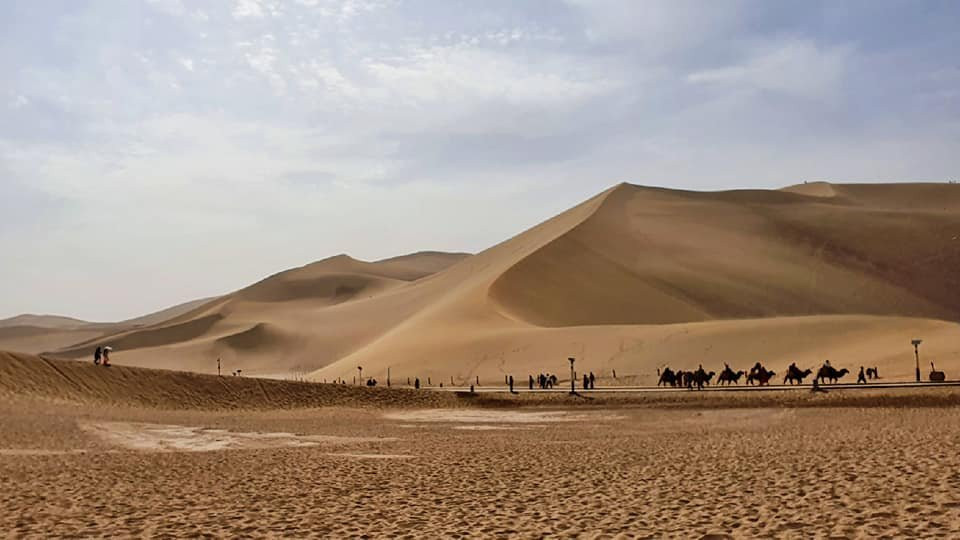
[
  {"x": 572, "y": 360},
  {"x": 916, "y": 342}
]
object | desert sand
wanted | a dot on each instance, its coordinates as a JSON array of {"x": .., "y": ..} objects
[
  {"x": 92, "y": 451},
  {"x": 632, "y": 280}
]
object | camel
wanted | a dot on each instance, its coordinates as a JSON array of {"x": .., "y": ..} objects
[
  {"x": 667, "y": 377},
  {"x": 700, "y": 378},
  {"x": 936, "y": 376},
  {"x": 728, "y": 376},
  {"x": 762, "y": 377},
  {"x": 794, "y": 374},
  {"x": 830, "y": 373}
]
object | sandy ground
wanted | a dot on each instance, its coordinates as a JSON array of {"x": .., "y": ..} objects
[{"x": 761, "y": 472}]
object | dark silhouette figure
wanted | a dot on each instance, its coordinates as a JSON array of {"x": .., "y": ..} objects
[
  {"x": 936, "y": 376},
  {"x": 760, "y": 375},
  {"x": 872, "y": 373},
  {"x": 829, "y": 373},
  {"x": 861, "y": 377},
  {"x": 97, "y": 354},
  {"x": 795, "y": 375},
  {"x": 510, "y": 380},
  {"x": 728, "y": 376},
  {"x": 586, "y": 382},
  {"x": 667, "y": 376},
  {"x": 416, "y": 383},
  {"x": 700, "y": 377},
  {"x": 531, "y": 382},
  {"x": 593, "y": 381}
]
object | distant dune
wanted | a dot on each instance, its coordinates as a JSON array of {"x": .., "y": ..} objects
[
  {"x": 633, "y": 279},
  {"x": 30, "y": 333},
  {"x": 299, "y": 319}
]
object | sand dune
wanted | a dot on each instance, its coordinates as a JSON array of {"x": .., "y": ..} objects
[
  {"x": 37, "y": 333},
  {"x": 642, "y": 277},
  {"x": 291, "y": 322},
  {"x": 630, "y": 280},
  {"x": 54, "y": 322},
  {"x": 31, "y": 377}
]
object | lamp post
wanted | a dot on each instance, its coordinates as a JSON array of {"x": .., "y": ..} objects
[
  {"x": 360, "y": 375},
  {"x": 916, "y": 352},
  {"x": 573, "y": 376}
]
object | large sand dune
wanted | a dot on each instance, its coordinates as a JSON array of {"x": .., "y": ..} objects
[
  {"x": 640, "y": 277},
  {"x": 630, "y": 280}
]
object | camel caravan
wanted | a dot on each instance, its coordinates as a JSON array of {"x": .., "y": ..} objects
[{"x": 758, "y": 375}]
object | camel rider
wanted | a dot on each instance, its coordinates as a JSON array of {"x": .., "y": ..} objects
[
  {"x": 793, "y": 368},
  {"x": 756, "y": 369}
]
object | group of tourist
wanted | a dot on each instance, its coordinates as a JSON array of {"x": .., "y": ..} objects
[
  {"x": 544, "y": 381},
  {"x": 101, "y": 356}
]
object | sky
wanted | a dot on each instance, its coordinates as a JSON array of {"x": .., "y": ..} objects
[{"x": 158, "y": 151}]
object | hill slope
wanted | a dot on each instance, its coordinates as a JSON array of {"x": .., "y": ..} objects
[
  {"x": 632, "y": 279},
  {"x": 642, "y": 277},
  {"x": 291, "y": 322},
  {"x": 33, "y": 377}
]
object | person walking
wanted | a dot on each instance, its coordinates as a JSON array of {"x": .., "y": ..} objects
[
  {"x": 510, "y": 380},
  {"x": 861, "y": 378},
  {"x": 531, "y": 382},
  {"x": 106, "y": 356},
  {"x": 593, "y": 381},
  {"x": 97, "y": 355}
]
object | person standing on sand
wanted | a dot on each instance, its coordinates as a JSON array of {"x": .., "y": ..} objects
[
  {"x": 531, "y": 382},
  {"x": 861, "y": 378},
  {"x": 593, "y": 381},
  {"x": 416, "y": 383},
  {"x": 510, "y": 380},
  {"x": 97, "y": 354},
  {"x": 106, "y": 356}
]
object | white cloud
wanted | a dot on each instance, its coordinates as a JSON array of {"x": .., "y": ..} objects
[
  {"x": 18, "y": 101},
  {"x": 796, "y": 67},
  {"x": 470, "y": 74},
  {"x": 264, "y": 122},
  {"x": 255, "y": 9}
]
